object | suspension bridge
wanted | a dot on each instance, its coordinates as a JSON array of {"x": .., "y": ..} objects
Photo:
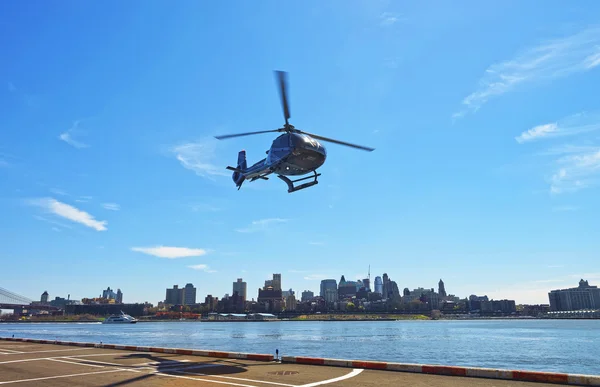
[{"x": 10, "y": 300}]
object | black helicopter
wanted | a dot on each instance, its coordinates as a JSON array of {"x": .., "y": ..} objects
[{"x": 293, "y": 153}]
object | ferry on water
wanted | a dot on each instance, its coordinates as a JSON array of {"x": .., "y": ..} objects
[{"x": 119, "y": 319}]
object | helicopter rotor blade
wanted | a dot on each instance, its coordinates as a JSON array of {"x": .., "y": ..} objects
[
  {"x": 338, "y": 142},
  {"x": 282, "y": 78},
  {"x": 226, "y": 136}
]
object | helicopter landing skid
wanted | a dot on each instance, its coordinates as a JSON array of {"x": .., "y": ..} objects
[{"x": 290, "y": 183}]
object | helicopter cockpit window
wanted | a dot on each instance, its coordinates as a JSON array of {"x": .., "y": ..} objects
[{"x": 281, "y": 142}]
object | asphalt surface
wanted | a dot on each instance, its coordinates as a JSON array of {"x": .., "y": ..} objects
[{"x": 28, "y": 364}]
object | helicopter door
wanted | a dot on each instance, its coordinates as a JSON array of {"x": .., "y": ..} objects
[{"x": 279, "y": 149}]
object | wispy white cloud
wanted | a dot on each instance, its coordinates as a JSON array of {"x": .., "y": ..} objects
[
  {"x": 387, "y": 19},
  {"x": 315, "y": 277},
  {"x": 586, "y": 276},
  {"x": 547, "y": 281},
  {"x": 111, "y": 206},
  {"x": 199, "y": 157},
  {"x": 316, "y": 243},
  {"x": 261, "y": 225},
  {"x": 51, "y": 221},
  {"x": 4, "y": 159},
  {"x": 576, "y": 171},
  {"x": 57, "y": 191},
  {"x": 537, "y": 132},
  {"x": 552, "y": 59},
  {"x": 83, "y": 199},
  {"x": 202, "y": 267},
  {"x": 67, "y": 136},
  {"x": 569, "y": 126},
  {"x": 170, "y": 252},
  {"x": 69, "y": 212}
]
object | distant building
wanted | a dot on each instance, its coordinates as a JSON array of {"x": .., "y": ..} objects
[
  {"x": 276, "y": 281},
  {"x": 441, "y": 289},
  {"x": 327, "y": 284},
  {"x": 119, "y": 296},
  {"x": 189, "y": 294},
  {"x": 582, "y": 297},
  {"x": 109, "y": 294},
  {"x": 378, "y": 285},
  {"x": 240, "y": 287},
  {"x": 270, "y": 298},
  {"x": 307, "y": 295},
  {"x": 44, "y": 298},
  {"x": 174, "y": 296},
  {"x": 367, "y": 284}
]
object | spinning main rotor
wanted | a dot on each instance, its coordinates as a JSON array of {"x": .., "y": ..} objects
[{"x": 282, "y": 79}]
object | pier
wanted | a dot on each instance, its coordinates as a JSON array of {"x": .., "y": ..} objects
[{"x": 28, "y": 362}]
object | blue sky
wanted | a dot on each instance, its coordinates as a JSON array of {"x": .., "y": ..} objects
[{"x": 484, "y": 119}]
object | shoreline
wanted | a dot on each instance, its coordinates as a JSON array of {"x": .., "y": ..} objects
[{"x": 69, "y": 321}]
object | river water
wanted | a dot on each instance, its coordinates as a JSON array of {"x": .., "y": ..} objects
[{"x": 571, "y": 346}]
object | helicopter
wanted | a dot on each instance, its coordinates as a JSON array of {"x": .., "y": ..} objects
[{"x": 293, "y": 153}]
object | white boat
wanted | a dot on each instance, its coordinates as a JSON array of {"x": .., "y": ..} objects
[{"x": 119, "y": 319}]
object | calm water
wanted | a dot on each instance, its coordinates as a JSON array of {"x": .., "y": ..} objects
[{"x": 563, "y": 346}]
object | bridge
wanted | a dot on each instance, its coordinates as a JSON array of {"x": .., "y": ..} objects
[{"x": 10, "y": 300}]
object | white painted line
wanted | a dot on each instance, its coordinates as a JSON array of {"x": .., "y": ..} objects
[
  {"x": 9, "y": 351},
  {"x": 203, "y": 380},
  {"x": 352, "y": 374},
  {"x": 23, "y": 360},
  {"x": 76, "y": 360},
  {"x": 240, "y": 379},
  {"x": 99, "y": 354},
  {"x": 59, "y": 376},
  {"x": 76, "y": 363},
  {"x": 49, "y": 350}
]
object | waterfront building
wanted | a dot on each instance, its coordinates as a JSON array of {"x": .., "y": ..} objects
[
  {"x": 119, "y": 296},
  {"x": 189, "y": 294},
  {"x": 582, "y": 297},
  {"x": 44, "y": 298},
  {"x": 174, "y": 296},
  {"x": 240, "y": 287}
]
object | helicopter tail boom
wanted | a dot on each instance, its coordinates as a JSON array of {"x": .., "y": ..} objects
[{"x": 238, "y": 174}]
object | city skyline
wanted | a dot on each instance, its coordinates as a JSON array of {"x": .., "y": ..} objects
[
  {"x": 486, "y": 135},
  {"x": 199, "y": 294}
]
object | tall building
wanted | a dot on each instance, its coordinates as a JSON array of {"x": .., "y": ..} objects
[
  {"x": 307, "y": 295},
  {"x": 109, "y": 294},
  {"x": 240, "y": 287},
  {"x": 174, "y": 296},
  {"x": 44, "y": 298},
  {"x": 189, "y": 294},
  {"x": 584, "y": 296},
  {"x": 119, "y": 299},
  {"x": 390, "y": 288},
  {"x": 367, "y": 284},
  {"x": 276, "y": 282},
  {"x": 441, "y": 289},
  {"x": 378, "y": 285},
  {"x": 327, "y": 284}
]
